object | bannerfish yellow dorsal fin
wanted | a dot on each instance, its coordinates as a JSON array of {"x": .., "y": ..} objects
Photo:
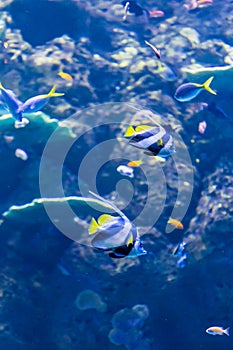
[
  {"x": 207, "y": 87},
  {"x": 93, "y": 227},
  {"x": 143, "y": 128},
  {"x": 105, "y": 218},
  {"x": 130, "y": 131},
  {"x": 1, "y": 87},
  {"x": 52, "y": 92},
  {"x": 130, "y": 240}
]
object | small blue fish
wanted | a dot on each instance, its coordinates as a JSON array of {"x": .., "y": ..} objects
[
  {"x": 36, "y": 103},
  {"x": 133, "y": 8},
  {"x": 11, "y": 103},
  {"x": 187, "y": 92},
  {"x": 116, "y": 235}
]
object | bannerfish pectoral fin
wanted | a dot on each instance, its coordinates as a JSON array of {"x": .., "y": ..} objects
[
  {"x": 103, "y": 219},
  {"x": 93, "y": 227}
]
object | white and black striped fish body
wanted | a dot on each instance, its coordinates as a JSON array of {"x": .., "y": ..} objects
[{"x": 155, "y": 141}]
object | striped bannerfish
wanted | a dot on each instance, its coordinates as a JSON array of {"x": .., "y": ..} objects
[
  {"x": 155, "y": 140},
  {"x": 116, "y": 235}
]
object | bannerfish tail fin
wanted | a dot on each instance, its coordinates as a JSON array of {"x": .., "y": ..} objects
[
  {"x": 207, "y": 87},
  {"x": 129, "y": 132},
  {"x": 52, "y": 92},
  {"x": 227, "y": 331},
  {"x": 93, "y": 227}
]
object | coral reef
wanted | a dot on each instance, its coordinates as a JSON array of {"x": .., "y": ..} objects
[{"x": 56, "y": 293}]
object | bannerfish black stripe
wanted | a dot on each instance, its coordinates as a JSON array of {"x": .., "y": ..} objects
[
  {"x": 155, "y": 148},
  {"x": 121, "y": 252}
]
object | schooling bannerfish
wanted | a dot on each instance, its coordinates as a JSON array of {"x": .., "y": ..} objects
[
  {"x": 11, "y": 103},
  {"x": 116, "y": 235},
  {"x": 155, "y": 140},
  {"x": 215, "y": 330},
  {"x": 187, "y": 92},
  {"x": 36, "y": 103}
]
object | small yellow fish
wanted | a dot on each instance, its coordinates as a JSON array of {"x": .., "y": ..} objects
[
  {"x": 65, "y": 76},
  {"x": 215, "y": 330},
  {"x": 135, "y": 163},
  {"x": 176, "y": 223}
]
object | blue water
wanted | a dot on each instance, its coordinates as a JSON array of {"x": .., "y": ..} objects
[{"x": 58, "y": 292}]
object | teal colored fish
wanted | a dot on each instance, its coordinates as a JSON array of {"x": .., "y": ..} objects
[
  {"x": 11, "y": 103},
  {"x": 187, "y": 92},
  {"x": 116, "y": 235},
  {"x": 36, "y": 103}
]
